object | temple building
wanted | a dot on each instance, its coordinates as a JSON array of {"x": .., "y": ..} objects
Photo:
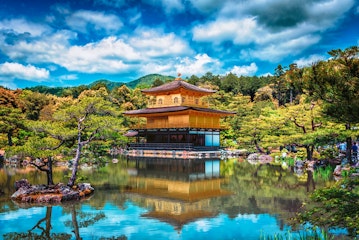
[{"x": 178, "y": 117}]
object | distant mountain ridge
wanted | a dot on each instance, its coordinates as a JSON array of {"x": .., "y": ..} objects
[{"x": 145, "y": 81}]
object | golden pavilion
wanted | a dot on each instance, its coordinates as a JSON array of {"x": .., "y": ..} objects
[{"x": 178, "y": 117}]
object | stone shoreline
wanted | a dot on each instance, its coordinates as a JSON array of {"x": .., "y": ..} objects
[{"x": 58, "y": 193}]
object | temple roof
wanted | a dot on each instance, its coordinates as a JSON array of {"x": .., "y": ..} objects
[
  {"x": 175, "y": 109},
  {"x": 176, "y": 84}
]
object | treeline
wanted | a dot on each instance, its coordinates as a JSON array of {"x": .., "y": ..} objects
[{"x": 311, "y": 106}]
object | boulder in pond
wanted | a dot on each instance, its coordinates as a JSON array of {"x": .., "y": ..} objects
[{"x": 27, "y": 193}]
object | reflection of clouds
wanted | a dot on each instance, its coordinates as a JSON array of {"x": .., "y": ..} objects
[
  {"x": 23, "y": 213},
  {"x": 251, "y": 217},
  {"x": 203, "y": 226}
]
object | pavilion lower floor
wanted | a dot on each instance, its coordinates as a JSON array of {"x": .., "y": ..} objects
[{"x": 176, "y": 139}]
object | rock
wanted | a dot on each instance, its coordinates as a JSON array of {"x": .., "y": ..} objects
[
  {"x": 22, "y": 183},
  {"x": 27, "y": 193}
]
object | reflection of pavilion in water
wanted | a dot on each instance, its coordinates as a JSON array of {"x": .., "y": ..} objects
[{"x": 177, "y": 191}]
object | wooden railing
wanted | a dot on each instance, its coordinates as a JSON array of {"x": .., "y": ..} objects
[
  {"x": 177, "y": 125},
  {"x": 161, "y": 146},
  {"x": 188, "y": 102},
  {"x": 170, "y": 146}
]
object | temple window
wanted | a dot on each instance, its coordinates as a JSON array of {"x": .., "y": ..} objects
[
  {"x": 160, "y": 101},
  {"x": 175, "y": 100},
  {"x": 183, "y": 99},
  {"x": 196, "y": 100}
]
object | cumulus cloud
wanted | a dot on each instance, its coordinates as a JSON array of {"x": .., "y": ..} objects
[
  {"x": 111, "y": 55},
  {"x": 152, "y": 43},
  {"x": 19, "y": 71},
  {"x": 46, "y": 50},
  {"x": 198, "y": 65},
  {"x": 83, "y": 20},
  {"x": 20, "y": 26},
  {"x": 279, "y": 29},
  {"x": 240, "y": 31},
  {"x": 244, "y": 70},
  {"x": 304, "y": 62},
  {"x": 275, "y": 52}
]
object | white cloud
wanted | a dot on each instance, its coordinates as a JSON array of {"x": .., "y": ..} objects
[
  {"x": 106, "y": 56},
  {"x": 83, "y": 20},
  {"x": 272, "y": 32},
  {"x": 266, "y": 74},
  {"x": 111, "y": 55},
  {"x": 46, "y": 50},
  {"x": 20, "y": 25},
  {"x": 199, "y": 65},
  {"x": 248, "y": 70},
  {"x": 68, "y": 77},
  {"x": 239, "y": 31},
  {"x": 250, "y": 217},
  {"x": 163, "y": 67},
  {"x": 19, "y": 71},
  {"x": 275, "y": 52},
  {"x": 135, "y": 18},
  {"x": 303, "y": 62},
  {"x": 152, "y": 43},
  {"x": 326, "y": 13}
]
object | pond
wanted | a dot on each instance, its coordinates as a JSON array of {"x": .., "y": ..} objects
[{"x": 157, "y": 198}]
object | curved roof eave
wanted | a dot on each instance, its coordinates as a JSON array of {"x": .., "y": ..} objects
[{"x": 176, "y": 84}]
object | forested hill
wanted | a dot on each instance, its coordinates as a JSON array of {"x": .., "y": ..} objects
[{"x": 144, "y": 82}]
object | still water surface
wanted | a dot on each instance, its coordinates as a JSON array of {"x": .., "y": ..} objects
[{"x": 163, "y": 199}]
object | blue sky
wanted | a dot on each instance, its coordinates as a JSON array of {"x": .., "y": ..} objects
[{"x": 68, "y": 43}]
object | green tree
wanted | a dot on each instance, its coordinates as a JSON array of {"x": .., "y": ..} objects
[
  {"x": 209, "y": 77},
  {"x": 157, "y": 82},
  {"x": 250, "y": 85},
  {"x": 307, "y": 126},
  {"x": 11, "y": 120},
  {"x": 74, "y": 124},
  {"x": 193, "y": 80},
  {"x": 334, "y": 207},
  {"x": 33, "y": 103},
  {"x": 230, "y": 83},
  {"x": 90, "y": 117},
  {"x": 336, "y": 83},
  {"x": 11, "y": 114}
]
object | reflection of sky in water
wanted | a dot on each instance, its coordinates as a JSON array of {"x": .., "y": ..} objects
[{"x": 128, "y": 222}]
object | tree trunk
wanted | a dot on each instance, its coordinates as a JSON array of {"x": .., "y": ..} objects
[
  {"x": 50, "y": 180},
  {"x": 75, "y": 223},
  {"x": 9, "y": 137},
  {"x": 349, "y": 145},
  {"x": 309, "y": 149},
  {"x": 48, "y": 222},
  {"x": 259, "y": 149},
  {"x": 72, "y": 180}
]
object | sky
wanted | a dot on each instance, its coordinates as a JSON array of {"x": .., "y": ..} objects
[{"x": 69, "y": 43}]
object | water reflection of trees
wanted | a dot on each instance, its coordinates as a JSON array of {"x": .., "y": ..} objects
[
  {"x": 79, "y": 219},
  {"x": 45, "y": 230},
  {"x": 264, "y": 189}
]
